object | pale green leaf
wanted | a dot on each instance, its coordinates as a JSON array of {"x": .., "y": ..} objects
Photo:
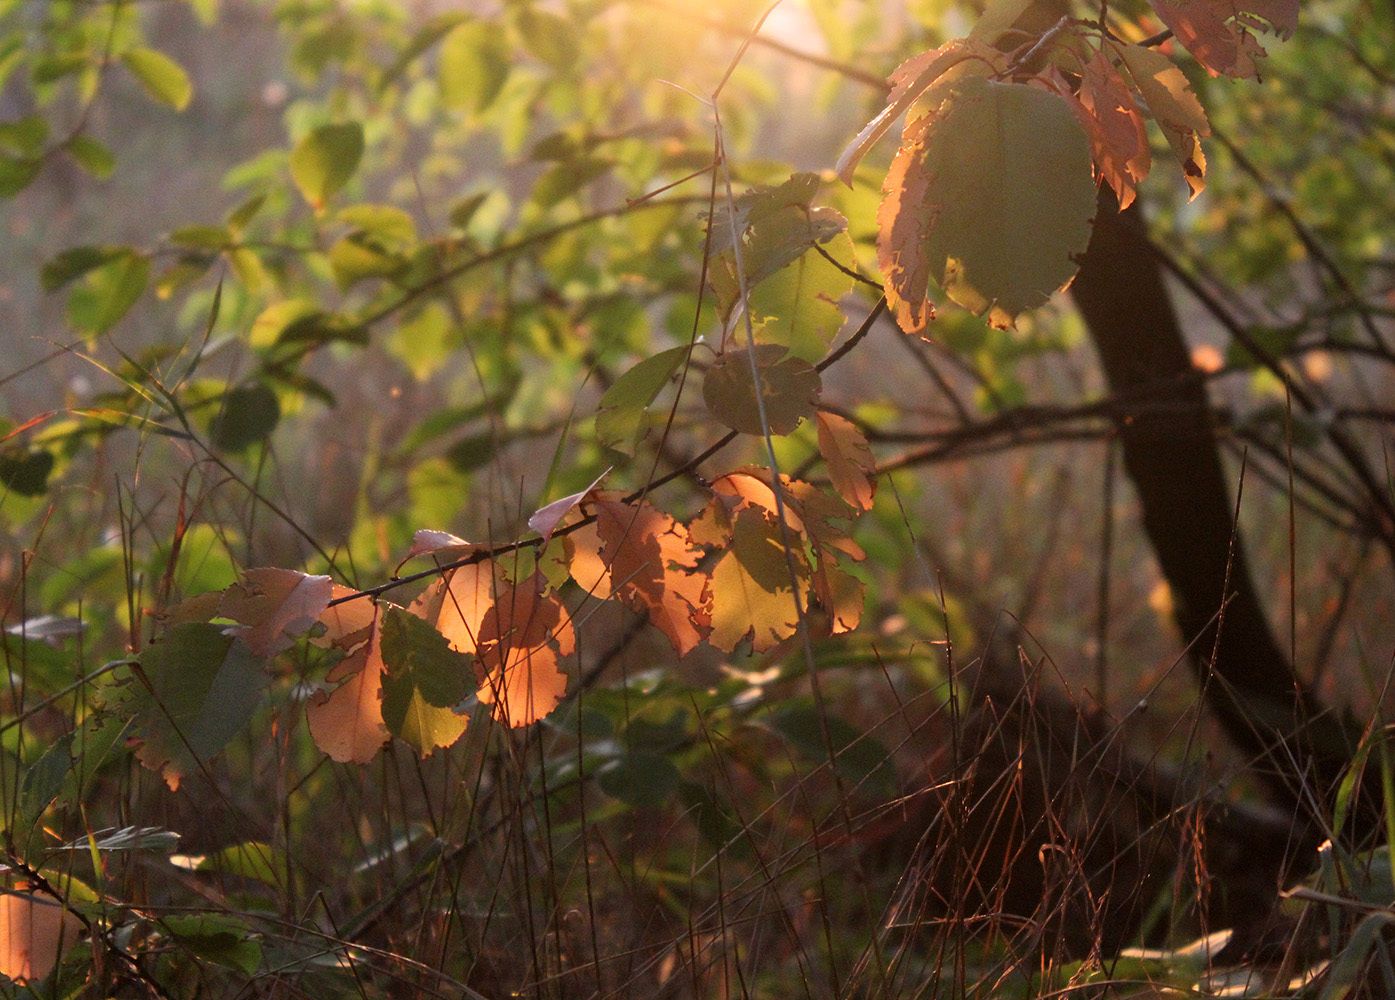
[
  {"x": 620, "y": 419},
  {"x": 325, "y": 160},
  {"x": 993, "y": 199},
  {"x": 161, "y": 77}
]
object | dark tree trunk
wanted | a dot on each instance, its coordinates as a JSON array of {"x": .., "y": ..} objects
[{"x": 1169, "y": 448}]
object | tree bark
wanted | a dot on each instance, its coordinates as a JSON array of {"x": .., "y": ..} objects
[{"x": 1168, "y": 439}]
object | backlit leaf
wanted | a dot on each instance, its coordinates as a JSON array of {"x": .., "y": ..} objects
[
  {"x": 522, "y": 640},
  {"x": 851, "y": 467},
  {"x": 325, "y": 159},
  {"x": 620, "y": 418},
  {"x": 753, "y": 593},
  {"x": 160, "y": 76},
  {"x": 474, "y": 65},
  {"x": 992, "y": 198},
  {"x": 347, "y": 723},
  {"x": 274, "y": 607},
  {"x": 1219, "y": 32},
  {"x": 789, "y": 388},
  {"x": 1112, "y": 120},
  {"x": 35, "y": 932},
  {"x": 424, "y": 679},
  {"x": 1173, "y": 106},
  {"x": 108, "y": 292},
  {"x": 640, "y": 555},
  {"x": 913, "y": 78}
]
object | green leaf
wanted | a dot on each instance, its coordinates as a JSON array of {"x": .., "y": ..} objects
[
  {"x": 641, "y": 778},
  {"x": 428, "y": 35},
  {"x": 217, "y": 938},
  {"x": 248, "y": 416},
  {"x": 860, "y": 759},
  {"x": 993, "y": 199},
  {"x": 196, "y": 688},
  {"x": 253, "y": 860},
  {"x": 109, "y": 292},
  {"x": 425, "y": 678},
  {"x": 788, "y": 386},
  {"x": 162, "y": 77},
  {"x": 324, "y": 160},
  {"x": 74, "y": 263},
  {"x": 91, "y": 156},
  {"x": 25, "y": 472},
  {"x": 16, "y": 174},
  {"x": 24, "y": 136},
  {"x": 620, "y": 419},
  {"x": 474, "y": 66}
]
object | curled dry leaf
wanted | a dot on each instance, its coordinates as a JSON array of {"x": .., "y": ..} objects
[
  {"x": 1106, "y": 109},
  {"x": 275, "y": 607},
  {"x": 546, "y": 519}
]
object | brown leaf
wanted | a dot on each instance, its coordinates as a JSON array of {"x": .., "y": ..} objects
[
  {"x": 1118, "y": 139},
  {"x": 546, "y": 519},
  {"x": 1218, "y": 32},
  {"x": 851, "y": 467},
  {"x": 1173, "y": 106},
  {"x": 275, "y": 607}
]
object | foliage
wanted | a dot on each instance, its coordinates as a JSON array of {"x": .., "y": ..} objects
[{"x": 571, "y": 598}]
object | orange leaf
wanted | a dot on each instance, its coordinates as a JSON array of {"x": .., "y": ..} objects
[
  {"x": 1118, "y": 139},
  {"x": 643, "y": 557},
  {"x": 35, "y": 932},
  {"x": 456, "y": 604},
  {"x": 347, "y": 723},
  {"x": 522, "y": 639},
  {"x": 850, "y": 464}
]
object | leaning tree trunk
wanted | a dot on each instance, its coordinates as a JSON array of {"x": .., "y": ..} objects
[{"x": 1168, "y": 438}]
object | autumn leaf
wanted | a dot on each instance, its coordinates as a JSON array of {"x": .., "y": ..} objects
[
  {"x": 639, "y": 555},
  {"x": 753, "y": 592},
  {"x": 991, "y": 198},
  {"x": 1173, "y": 106},
  {"x": 35, "y": 932},
  {"x": 851, "y": 467},
  {"x": 789, "y": 388},
  {"x": 910, "y": 82},
  {"x": 347, "y": 722},
  {"x": 457, "y": 603},
  {"x": 274, "y": 606},
  {"x": 1218, "y": 32},
  {"x": 522, "y": 640},
  {"x": 442, "y": 545},
  {"x": 1118, "y": 139}
]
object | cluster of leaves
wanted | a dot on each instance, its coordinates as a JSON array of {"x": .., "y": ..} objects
[{"x": 990, "y": 196}]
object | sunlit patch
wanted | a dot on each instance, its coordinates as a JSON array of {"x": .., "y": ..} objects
[{"x": 1207, "y": 358}]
